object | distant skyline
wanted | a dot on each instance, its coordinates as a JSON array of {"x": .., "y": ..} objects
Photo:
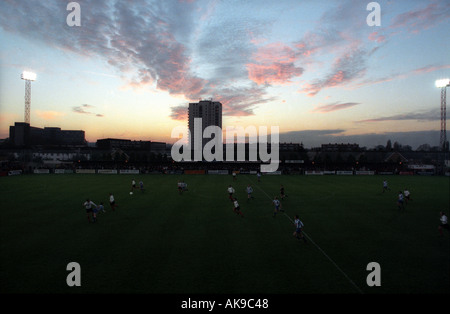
[{"x": 313, "y": 68}]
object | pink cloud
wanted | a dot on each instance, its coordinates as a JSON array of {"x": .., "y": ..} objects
[
  {"x": 424, "y": 18},
  {"x": 179, "y": 113},
  {"x": 242, "y": 101},
  {"x": 236, "y": 102},
  {"x": 274, "y": 64},
  {"x": 319, "y": 41},
  {"x": 231, "y": 107},
  {"x": 347, "y": 68},
  {"x": 374, "y": 36},
  {"x": 276, "y": 73},
  {"x": 431, "y": 68}
]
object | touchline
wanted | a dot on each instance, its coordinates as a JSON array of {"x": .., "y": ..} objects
[{"x": 213, "y": 149}]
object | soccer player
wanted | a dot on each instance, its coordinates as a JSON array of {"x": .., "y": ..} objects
[
  {"x": 96, "y": 210},
  {"x": 234, "y": 176},
  {"x": 277, "y": 205},
  {"x": 259, "y": 176},
  {"x": 101, "y": 208},
  {"x": 230, "y": 192},
  {"x": 298, "y": 229},
  {"x": 400, "y": 200},
  {"x": 141, "y": 186},
  {"x": 89, "y": 210},
  {"x": 180, "y": 187},
  {"x": 184, "y": 186},
  {"x": 444, "y": 223},
  {"x": 249, "y": 192},
  {"x": 133, "y": 185},
  {"x": 407, "y": 196},
  {"x": 112, "y": 202},
  {"x": 385, "y": 186},
  {"x": 237, "y": 208},
  {"x": 282, "y": 195}
]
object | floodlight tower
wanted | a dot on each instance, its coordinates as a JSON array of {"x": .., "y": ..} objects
[
  {"x": 442, "y": 84},
  {"x": 28, "y": 77}
]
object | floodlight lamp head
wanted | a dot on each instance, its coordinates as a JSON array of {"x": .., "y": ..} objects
[
  {"x": 443, "y": 83},
  {"x": 29, "y": 76}
]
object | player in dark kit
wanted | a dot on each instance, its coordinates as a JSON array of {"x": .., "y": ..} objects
[
  {"x": 282, "y": 193},
  {"x": 237, "y": 208}
]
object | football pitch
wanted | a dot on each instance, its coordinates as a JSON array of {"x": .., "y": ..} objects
[{"x": 160, "y": 242}]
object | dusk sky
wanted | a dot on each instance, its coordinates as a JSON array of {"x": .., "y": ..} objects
[{"x": 316, "y": 69}]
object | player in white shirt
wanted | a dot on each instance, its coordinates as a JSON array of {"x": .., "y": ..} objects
[
  {"x": 385, "y": 186},
  {"x": 234, "y": 176},
  {"x": 400, "y": 200},
  {"x": 112, "y": 202},
  {"x": 276, "y": 202},
  {"x": 407, "y": 196},
  {"x": 444, "y": 223},
  {"x": 298, "y": 229},
  {"x": 237, "y": 208},
  {"x": 133, "y": 185},
  {"x": 184, "y": 186},
  {"x": 90, "y": 210},
  {"x": 249, "y": 192},
  {"x": 230, "y": 191}
]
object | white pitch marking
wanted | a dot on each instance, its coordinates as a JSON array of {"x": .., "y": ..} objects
[{"x": 319, "y": 248}]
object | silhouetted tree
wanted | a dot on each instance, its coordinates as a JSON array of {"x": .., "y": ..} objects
[{"x": 389, "y": 145}]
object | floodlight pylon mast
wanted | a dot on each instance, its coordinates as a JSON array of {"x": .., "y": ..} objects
[
  {"x": 27, "y": 100},
  {"x": 443, "y": 84},
  {"x": 443, "y": 138},
  {"x": 28, "y": 77}
]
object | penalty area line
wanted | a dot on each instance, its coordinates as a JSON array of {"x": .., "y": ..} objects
[{"x": 319, "y": 248}]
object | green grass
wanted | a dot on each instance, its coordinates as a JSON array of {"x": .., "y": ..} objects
[{"x": 161, "y": 242}]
